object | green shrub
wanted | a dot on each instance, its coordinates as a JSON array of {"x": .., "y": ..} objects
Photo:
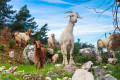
[
  {"x": 2, "y": 47},
  {"x": 11, "y": 43}
]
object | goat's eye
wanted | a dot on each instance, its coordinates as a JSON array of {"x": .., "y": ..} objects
[{"x": 72, "y": 15}]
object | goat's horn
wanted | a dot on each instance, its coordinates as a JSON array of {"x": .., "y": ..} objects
[{"x": 69, "y": 11}]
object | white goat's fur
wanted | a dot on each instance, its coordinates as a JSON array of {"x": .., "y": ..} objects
[
  {"x": 52, "y": 41},
  {"x": 106, "y": 43},
  {"x": 19, "y": 37},
  {"x": 67, "y": 39}
]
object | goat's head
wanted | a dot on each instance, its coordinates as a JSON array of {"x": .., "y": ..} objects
[
  {"x": 29, "y": 32},
  {"x": 38, "y": 44},
  {"x": 111, "y": 35},
  {"x": 52, "y": 35},
  {"x": 73, "y": 16}
]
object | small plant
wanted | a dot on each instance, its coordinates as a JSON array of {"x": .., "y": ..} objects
[
  {"x": 11, "y": 43},
  {"x": 2, "y": 47}
]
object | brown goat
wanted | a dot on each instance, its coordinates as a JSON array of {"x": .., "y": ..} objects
[{"x": 39, "y": 54}]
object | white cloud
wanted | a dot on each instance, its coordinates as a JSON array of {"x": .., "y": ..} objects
[{"x": 57, "y": 1}]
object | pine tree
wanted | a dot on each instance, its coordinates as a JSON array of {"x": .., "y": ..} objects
[
  {"x": 23, "y": 20},
  {"x": 5, "y": 13},
  {"x": 41, "y": 35}
]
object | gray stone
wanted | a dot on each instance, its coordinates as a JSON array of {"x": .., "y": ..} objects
[
  {"x": 28, "y": 53},
  {"x": 50, "y": 73},
  {"x": 112, "y": 60},
  {"x": 70, "y": 68},
  {"x": 87, "y": 66},
  {"x": 88, "y": 52},
  {"x": 11, "y": 69},
  {"x": 11, "y": 54},
  {"x": 47, "y": 78},
  {"x": 99, "y": 70},
  {"x": 106, "y": 77}
]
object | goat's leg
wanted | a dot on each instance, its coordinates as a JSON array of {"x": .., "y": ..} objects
[
  {"x": 63, "y": 55},
  {"x": 71, "y": 57},
  {"x": 36, "y": 63},
  {"x": 19, "y": 42},
  {"x": 41, "y": 64},
  {"x": 26, "y": 43}
]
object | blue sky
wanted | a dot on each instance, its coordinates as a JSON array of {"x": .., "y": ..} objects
[{"x": 89, "y": 29}]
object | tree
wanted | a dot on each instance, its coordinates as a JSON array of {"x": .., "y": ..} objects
[
  {"x": 5, "y": 13},
  {"x": 23, "y": 20},
  {"x": 41, "y": 34}
]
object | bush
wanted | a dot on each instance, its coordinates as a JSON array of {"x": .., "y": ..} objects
[
  {"x": 11, "y": 43},
  {"x": 2, "y": 47},
  {"x": 6, "y": 33}
]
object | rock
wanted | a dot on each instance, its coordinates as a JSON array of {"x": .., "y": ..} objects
[
  {"x": 18, "y": 72},
  {"x": 11, "y": 69},
  {"x": 50, "y": 51},
  {"x": 50, "y": 73},
  {"x": 105, "y": 67},
  {"x": 109, "y": 77},
  {"x": 99, "y": 70},
  {"x": 106, "y": 77},
  {"x": 112, "y": 60},
  {"x": 70, "y": 68},
  {"x": 87, "y": 66},
  {"x": 58, "y": 79},
  {"x": 47, "y": 78},
  {"x": 28, "y": 53},
  {"x": 1, "y": 69},
  {"x": 82, "y": 74},
  {"x": 58, "y": 65},
  {"x": 99, "y": 59},
  {"x": 88, "y": 51},
  {"x": 11, "y": 54},
  {"x": 65, "y": 78}
]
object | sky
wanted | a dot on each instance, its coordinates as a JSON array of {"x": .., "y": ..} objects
[{"x": 89, "y": 29}]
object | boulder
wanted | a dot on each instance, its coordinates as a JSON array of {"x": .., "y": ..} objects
[
  {"x": 99, "y": 58},
  {"x": 87, "y": 66},
  {"x": 70, "y": 68},
  {"x": 88, "y": 51},
  {"x": 82, "y": 74},
  {"x": 112, "y": 60},
  {"x": 11, "y": 54},
  {"x": 99, "y": 70},
  {"x": 28, "y": 53}
]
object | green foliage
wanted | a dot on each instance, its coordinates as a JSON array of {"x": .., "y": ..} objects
[
  {"x": 41, "y": 34},
  {"x": 23, "y": 20},
  {"x": 11, "y": 43},
  {"x": 2, "y": 47},
  {"x": 5, "y": 13}
]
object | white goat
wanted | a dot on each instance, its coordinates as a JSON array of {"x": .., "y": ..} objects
[
  {"x": 67, "y": 39},
  {"x": 106, "y": 43},
  {"x": 52, "y": 41},
  {"x": 19, "y": 36}
]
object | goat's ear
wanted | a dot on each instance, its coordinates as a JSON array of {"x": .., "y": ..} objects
[
  {"x": 79, "y": 16},
  {"x": 68, "y": 15}
]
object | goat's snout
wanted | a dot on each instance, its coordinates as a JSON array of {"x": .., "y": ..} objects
[{"x": 75, "y": 20}]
